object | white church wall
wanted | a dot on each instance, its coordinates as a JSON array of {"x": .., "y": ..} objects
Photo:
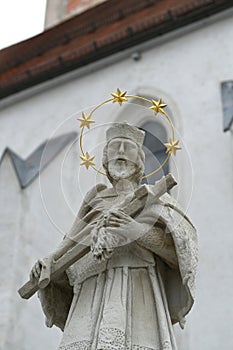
[{"x": 187, "y": 71}]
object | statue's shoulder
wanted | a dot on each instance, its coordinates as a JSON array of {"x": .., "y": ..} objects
[
  {"x": 94, "y": 191},
  {"x": 176, "y": 210},
  {"x": 172, "y": 203},
  {"x": 90, "y": 195},
  {"x": 166, "y": 198}
]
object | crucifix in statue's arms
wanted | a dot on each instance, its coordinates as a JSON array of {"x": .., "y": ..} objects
[{"x": 132, "y": 204}]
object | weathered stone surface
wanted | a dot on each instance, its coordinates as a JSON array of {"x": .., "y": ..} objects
[{"x": 142, "y": 264}]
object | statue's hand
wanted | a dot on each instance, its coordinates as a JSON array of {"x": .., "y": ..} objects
[
  {"x": 36, "y": 269},
  {"x": 121, "y": 224}
]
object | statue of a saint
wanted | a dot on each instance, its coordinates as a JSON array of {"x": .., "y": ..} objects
[{"x": 138, "y": 279}]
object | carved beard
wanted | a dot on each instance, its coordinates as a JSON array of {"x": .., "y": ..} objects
[{"x": 121, "y": 169}]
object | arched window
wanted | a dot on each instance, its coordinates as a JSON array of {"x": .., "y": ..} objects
[{"x": 154, "y": 149}]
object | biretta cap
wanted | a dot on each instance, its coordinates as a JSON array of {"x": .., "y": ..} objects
[{"x": 126, "y": 131}]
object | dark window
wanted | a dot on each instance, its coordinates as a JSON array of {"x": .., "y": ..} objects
[{"x": 154, "y": 149}]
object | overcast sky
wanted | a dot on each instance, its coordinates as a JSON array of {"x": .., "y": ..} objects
[{"x": 20, "y": 20}]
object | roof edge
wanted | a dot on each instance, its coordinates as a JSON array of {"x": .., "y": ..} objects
[{"x": 135, "y": 28}]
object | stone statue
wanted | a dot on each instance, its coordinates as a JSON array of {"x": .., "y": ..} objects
[{"x": 138, "y": 279}]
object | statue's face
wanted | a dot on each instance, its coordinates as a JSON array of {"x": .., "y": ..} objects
[{"x": 122, "y": 157}]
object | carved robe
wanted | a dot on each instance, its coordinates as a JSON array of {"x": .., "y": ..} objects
[{"x": 131, "y": 300}]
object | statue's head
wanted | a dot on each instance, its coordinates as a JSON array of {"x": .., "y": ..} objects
[{"x": 123, "y": 157}]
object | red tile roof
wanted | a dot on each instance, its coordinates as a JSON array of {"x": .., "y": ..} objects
[{"x": 99, "y": 32}]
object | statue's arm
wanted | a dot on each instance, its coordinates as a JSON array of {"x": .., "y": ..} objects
[
  {"x": 57, "y": 296},
  {"x": 161, "y": 243},
  {"x": 78, "y": 232}
]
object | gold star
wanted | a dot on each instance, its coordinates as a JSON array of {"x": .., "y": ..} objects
[
  {"x": 87, "y": 160},
  {"x": 119, "y": 97},
  {"x": 85, "y": 120},
  {"x": 157, "y": 106},
  {"x": 172, "y": 146}
]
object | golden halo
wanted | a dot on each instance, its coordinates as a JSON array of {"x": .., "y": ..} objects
[{"x": 122, "y": 97}]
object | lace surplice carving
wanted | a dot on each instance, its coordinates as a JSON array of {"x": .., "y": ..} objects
[
  {"x": 115, "y": 339},
  {"x": 111, "y": 339},
  {"x": 78, "y": 345}
]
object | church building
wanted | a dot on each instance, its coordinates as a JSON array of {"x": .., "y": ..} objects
[{"x": 179, "y": 51}]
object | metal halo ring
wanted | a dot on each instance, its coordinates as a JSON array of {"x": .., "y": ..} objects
[{"x": 121, "y": 97}]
